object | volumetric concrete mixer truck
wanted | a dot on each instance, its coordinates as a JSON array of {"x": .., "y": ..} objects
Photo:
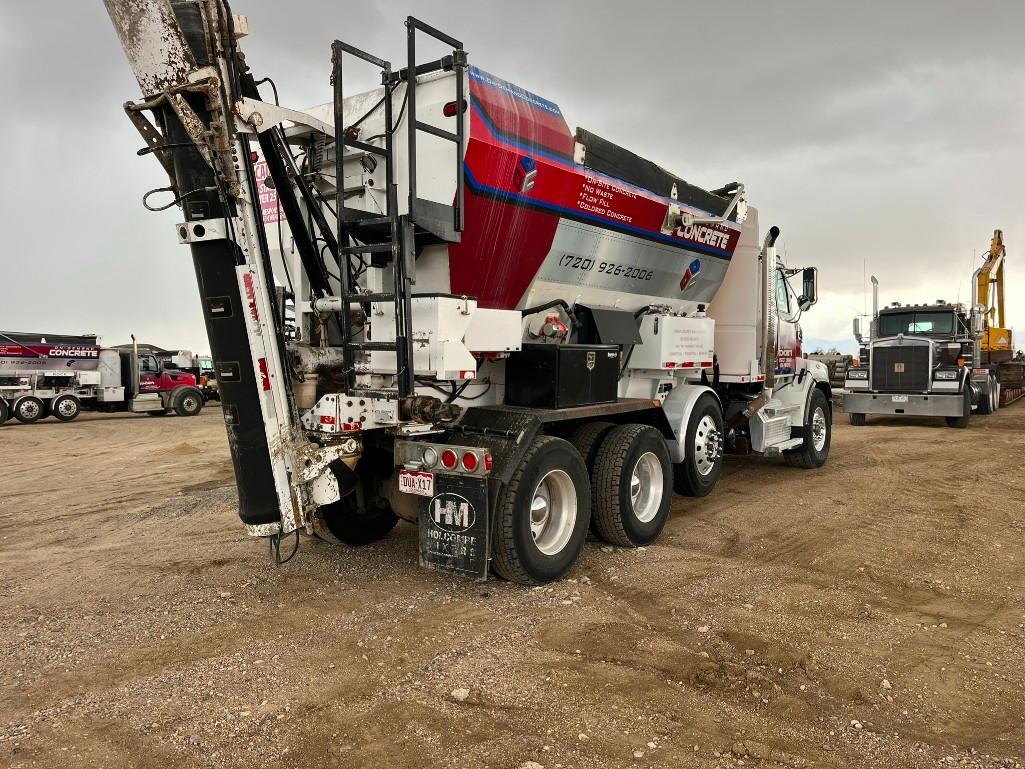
[{"x": 497, "y": 327}]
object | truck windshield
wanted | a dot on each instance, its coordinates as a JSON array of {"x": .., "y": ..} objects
[{"x": 916, "y": 323}]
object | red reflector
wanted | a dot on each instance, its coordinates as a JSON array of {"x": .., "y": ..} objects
[
  {"x": 469, "y": 461},
  {"x": 349, "y": 427},
  {"x": 327, "y": 419},
  {"x": 706, "y": 364},
  {"x": 264, "y": 376},
  {"x": 488, "y": 461},
  {"x": 669, "y": 364},
  {"x": 449, "y": 459},
  {"x": 254, "y": 156},
  {"x": 449, "y": 110},
  {"x": 687, "y": 364}
]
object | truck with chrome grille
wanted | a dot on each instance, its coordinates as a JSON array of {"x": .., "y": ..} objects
[{"x": 919, "y": 360}]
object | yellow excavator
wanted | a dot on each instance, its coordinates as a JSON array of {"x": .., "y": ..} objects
[{"x": 996, "y": 344}]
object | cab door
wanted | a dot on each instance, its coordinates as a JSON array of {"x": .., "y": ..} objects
[
  {"x": 149, "y": 374},
  {"x": 788, "y": 342}
]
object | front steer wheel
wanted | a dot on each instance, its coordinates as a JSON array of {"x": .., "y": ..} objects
[
  {"x": 188, "y": 402},
  {"x": 701, "y": 467},
  {"x": 961, "y": 422},
  {"x": 542, "y": 515},
  {"x": 817, "y": 433}
]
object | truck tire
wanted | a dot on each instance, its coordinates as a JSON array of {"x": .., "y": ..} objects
[
  {"x": 857, "y": 420},
  {"x": 961, "y": 422},
  {"x": 587, "y": 440},
  {"x": 986, "y": 403},
  {"x": 188, "y": 402},
  {"x": 66, "y": 407},
  {"x": 363, "y": 516},
  {"x": 817, "y": 434},
  {"x": 701, "y": 467},
  {"x": 5, "y": 411},
  {"x": 29, "y": 409},
  {"x": 632, "y": 486},
  {"x": 354, "y": 526},
  {"x": 542, "y": 515}
]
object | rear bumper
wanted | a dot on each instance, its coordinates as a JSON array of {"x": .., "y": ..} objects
[{"x": 932, "y": 405}]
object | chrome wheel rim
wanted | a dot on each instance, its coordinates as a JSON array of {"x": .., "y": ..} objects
[
  {"x": 29, "y": 409},
  {"x": 189, "y": 402},
  {"x": 67, "y": 408},
  {"x": 818, "y": 429},
  {"x": 646, "y": 483},
  {"x": 553, "y": 512},
  {"x": 707, "y": 445}
]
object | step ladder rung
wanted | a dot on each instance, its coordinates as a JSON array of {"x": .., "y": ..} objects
[
  {"x": 371, "y": 148},
  {"x": 371, "y": 298},
  {"x": 367, "y": 392},
  {"x": 369, "y": 248},
  {"x": 372, "y": 221},
  {"x": 439, "y": 132},
  {"x": 374, "y": 346}
]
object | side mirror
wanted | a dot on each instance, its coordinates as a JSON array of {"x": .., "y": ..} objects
[
  {"x": 809, "y": 288},
  {"x": 857, "y": 329}
]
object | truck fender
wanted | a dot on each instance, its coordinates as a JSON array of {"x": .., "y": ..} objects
[
  {"x": 677, "y": 408},
  {"x": 818, "y": 376}
]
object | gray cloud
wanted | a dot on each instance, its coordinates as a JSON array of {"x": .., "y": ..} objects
[{"x": 882, "y": 137}]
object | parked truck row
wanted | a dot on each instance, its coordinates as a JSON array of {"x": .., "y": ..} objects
[{"x": 61, "y": 376}]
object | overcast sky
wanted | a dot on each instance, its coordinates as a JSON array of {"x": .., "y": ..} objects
[{"x": 886, "y": 137}]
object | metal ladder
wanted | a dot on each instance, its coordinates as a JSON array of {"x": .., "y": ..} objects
[{"x": 426, "y": 215}]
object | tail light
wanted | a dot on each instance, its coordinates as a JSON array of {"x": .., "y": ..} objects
[
  {"x": 449, "y": 110},
  {"x": 469, "y": 461},
  {"x": 449, "y": 459},
  {"x": 488, "y": 461}
]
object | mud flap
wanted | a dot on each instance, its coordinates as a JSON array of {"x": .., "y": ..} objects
[{"x": 454, "y": 526}]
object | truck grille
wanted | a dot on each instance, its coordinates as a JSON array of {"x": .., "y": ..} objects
[{"x": 886, "y": 362}]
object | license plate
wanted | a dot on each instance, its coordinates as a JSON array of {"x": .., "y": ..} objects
[
  {"x": 900, "y": 399},
  {"x": 412, "y": 482}
]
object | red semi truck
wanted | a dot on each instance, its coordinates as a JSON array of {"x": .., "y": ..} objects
[{"x": 57, "y": 375}]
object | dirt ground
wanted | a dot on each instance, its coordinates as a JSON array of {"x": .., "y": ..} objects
[{"x": 870, "y": 614}]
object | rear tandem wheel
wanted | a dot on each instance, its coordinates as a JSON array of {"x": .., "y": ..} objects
[
  {"x": 541, "y": 517},
  {"x": 632, "y": 486}
]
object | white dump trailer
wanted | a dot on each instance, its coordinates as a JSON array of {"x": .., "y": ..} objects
[{"x": 436, "y": 301}]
